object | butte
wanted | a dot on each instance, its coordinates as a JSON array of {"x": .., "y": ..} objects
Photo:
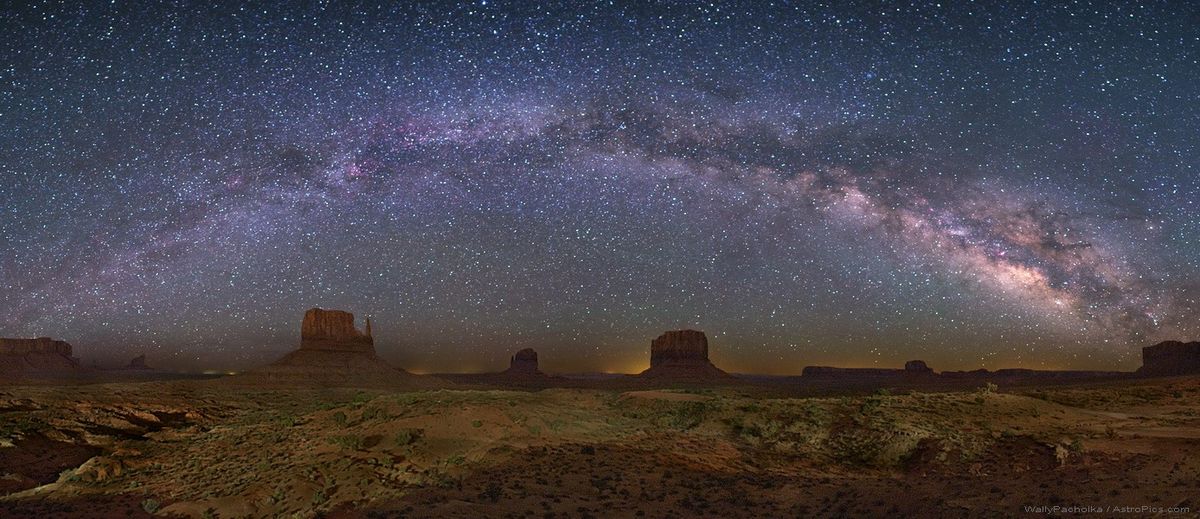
[
  {"x": 682, "y": 355},
  {"x": 334, "y": 353}
]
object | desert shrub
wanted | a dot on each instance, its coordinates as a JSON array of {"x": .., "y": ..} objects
[
  {"x": 859, "y": 446},
  {"x": 407, "y": 437},
  {"x": 492, "y": 493},
  {"x": 771, "y": 429},
  {"x": 815, "y": 412},
  {"x": 735, "y": 424},
  {"x": 1076, "y": 445},
  {"x": 869, "y": 405},
  {"x": 686, "y": 416},
  {"x": 476, "y": 423},
  {"x": 750, "y": 408},
  {"x": 340, "y": 419},
  {"x": 372, "y": 413},
  {"x": 286, "y": 421},
  {"x": 988, "y": 389},
  {"x": 319, "y": 498},
  {"x": 151, "y": 505},
  {"x": 347, "y": 441},
  {"x": 68, "y": 475}
]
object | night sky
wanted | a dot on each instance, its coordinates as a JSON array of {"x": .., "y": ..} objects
[{"x": 1004, "y": 186}]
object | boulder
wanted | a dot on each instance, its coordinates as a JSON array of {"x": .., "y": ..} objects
[
  {"x": 524, "y": 362},
  {"x": 1170, "y": 358}
]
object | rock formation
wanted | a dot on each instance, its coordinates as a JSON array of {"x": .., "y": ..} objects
[
  {"x": 138, "y": 362},
  {"x": 525, "y": 362},
  {"x": 1170, "y": 358},
  {"x": 333, "y": 352},
  {"x": 912, "y": 368},
  {"x": 917, "y": 366},
  {"x": 681, "y": 354},
  {"x": 850, "y": 373},
  {"x": 36, "y": 356},
  {"x": 334, "y": 330}
]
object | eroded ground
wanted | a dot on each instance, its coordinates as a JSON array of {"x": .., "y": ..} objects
[{"x": 199, "y": 449}]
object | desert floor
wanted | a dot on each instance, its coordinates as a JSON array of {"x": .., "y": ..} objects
[{"x": 204, "y": 449}]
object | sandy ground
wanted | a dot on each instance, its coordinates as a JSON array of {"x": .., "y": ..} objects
[{"x": 203, "y": 449}]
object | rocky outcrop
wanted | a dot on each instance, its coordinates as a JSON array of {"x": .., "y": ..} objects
[
  {"x": 333, "y": 353},
  {"x": 34, "y": 356},
  {"x": 917, "y": 366},
  {"x": 1018, "y": 375},
  {"x": 679, "y": 346},
  {"x": 912, "y": 368},
  {"x": 138, "y": 362},
  {"x": 524, "y": 362},
  {"x": 681, "y": 354},
  {"x": 850, "y": 373},
  {"x": 334, "y": 330},
  {"x": 1170, "y": 358}
]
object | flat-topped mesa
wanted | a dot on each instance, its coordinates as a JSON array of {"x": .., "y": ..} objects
[
  {"x": 524, "y": 362},
  {"x": 831, "y": 371},
  {"x": 333, "y": 353},
  {"x": 1170, "y": 358},
  {"x": 38, "y": 345},
  {"x": 917, "y": 366},
  {"x": 334, "y": 330},
  {"x": 681, "y": 354},
  {"x": 36, "y": 355},
  {"x": 911, "y": 368},
  {"x": 679, "y": 346}
]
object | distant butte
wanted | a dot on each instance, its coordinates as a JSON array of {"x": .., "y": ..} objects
[
  {"x": 333, "y": 352},
  {"x": 41, "y": 356},
  {"x": 524, "y": 362},
  {"x": 912, "y": 368},
  {"x": 1170, "y": 358},
  {"x": 682, "y": 354},
  {"x": 334, "y": 330},
  {"x": 138, "y": 362}
]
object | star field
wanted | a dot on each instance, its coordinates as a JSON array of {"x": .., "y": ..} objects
[{"x": 809, "y": 183}]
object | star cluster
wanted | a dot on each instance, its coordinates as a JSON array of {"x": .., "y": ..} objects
[{"x": 842, "y": 183}]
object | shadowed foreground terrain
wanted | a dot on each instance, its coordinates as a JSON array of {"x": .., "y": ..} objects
[{"x": 206, "y": 449}]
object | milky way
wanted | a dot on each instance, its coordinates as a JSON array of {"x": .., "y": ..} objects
[{"x": 850, "y": 184}]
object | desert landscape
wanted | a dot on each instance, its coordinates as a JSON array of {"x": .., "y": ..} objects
[
  {"x": 579, "y": 259},
  {"x": 331, "y": 430}
]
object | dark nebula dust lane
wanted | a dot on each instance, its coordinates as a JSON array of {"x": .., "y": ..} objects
[{"x": 976, "y": 186}]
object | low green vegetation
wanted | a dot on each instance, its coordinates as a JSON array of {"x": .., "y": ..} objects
[{"x": 347, "y": 441}]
